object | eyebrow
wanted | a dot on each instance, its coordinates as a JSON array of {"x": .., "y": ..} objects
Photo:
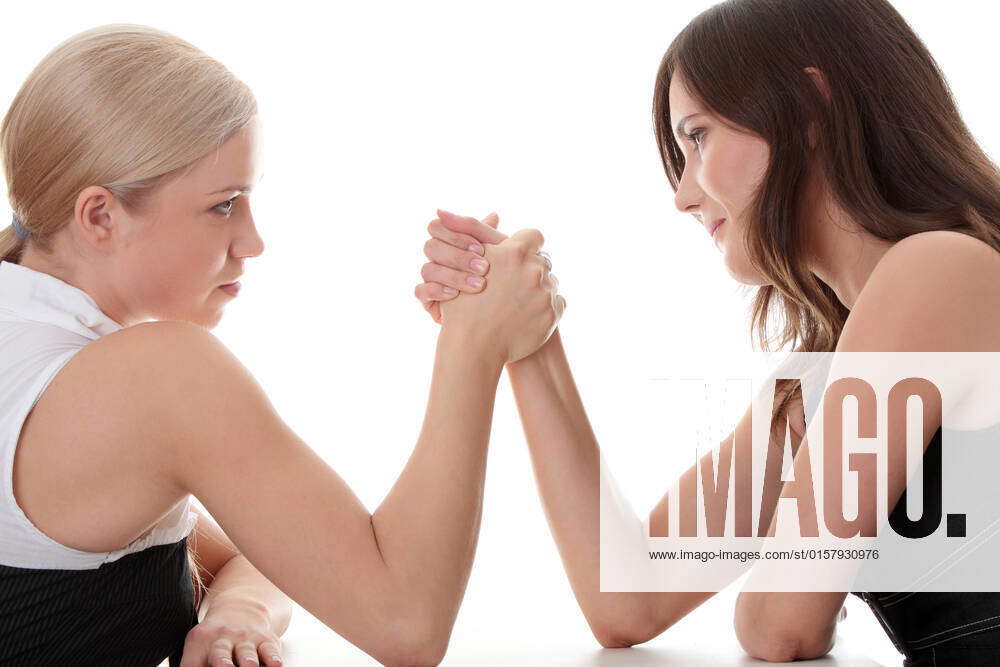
[{"x": 242, "y": 188}]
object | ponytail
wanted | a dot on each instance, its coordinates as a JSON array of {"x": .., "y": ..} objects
[{"x": 11, "y": 246}]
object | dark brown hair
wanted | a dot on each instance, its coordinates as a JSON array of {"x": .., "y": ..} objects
[{"x": 894, "y": 150}]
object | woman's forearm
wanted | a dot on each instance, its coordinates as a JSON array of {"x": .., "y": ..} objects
[
  {"x": 428, "y": 525},
  {"x": 566, "y": 461},
  {"x": 239, "y": 583}
]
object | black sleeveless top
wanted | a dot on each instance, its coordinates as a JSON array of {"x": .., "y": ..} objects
[
  {"x": 940, "y": 628},
  {"x": 134, "y": 611}
]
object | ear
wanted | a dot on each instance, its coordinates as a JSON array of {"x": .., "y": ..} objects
[
  {"x": 92, "y": 214},
  {"x": 824, "y": 88}
]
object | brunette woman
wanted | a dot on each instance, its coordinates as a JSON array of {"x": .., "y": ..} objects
[{"x": 818, "y": 144}]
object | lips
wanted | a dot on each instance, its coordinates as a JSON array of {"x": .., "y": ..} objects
[{"x": 715, "y": 225}]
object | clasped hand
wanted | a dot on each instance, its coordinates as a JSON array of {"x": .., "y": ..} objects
[{"x": 517, "y": 306}]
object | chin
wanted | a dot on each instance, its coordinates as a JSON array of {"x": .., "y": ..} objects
[{"x": 743, "y": 273}]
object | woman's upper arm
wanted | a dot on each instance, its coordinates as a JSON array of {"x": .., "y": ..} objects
[{"x": 282, "y": 506}]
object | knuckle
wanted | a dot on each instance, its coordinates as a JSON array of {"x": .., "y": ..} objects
[{"x": 496, "y": 254}]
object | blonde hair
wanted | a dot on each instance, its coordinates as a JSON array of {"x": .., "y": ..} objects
[
  {"x": 124, "y": 106},
  {"x": 127, "y": 107}
]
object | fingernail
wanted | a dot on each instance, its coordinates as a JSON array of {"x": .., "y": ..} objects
[
  {"x": 276, "y": 658},
  {"x": 479, "y": 266},
  {"x": 474, "y": 281},
  {"x": 474, "y": 248},
  {"x": 448, "y": 290}
]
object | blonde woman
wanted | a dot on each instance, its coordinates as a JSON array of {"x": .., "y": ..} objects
[{"x": 129, "y": 157}]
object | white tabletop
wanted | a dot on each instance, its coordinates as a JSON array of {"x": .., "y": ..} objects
[{"x": 540, "y": 637}]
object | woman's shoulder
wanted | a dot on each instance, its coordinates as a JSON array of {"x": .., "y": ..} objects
[
  {"x": 146, "y": 357},
  {"x": 91, "y": 444},
  {"x": 164, "y": 392},
  {"x": 939, "y": 262},
  {"x": 156, "y": 338},
  {"x": 131, "y": 385},
  {"x": 940, "y": 245},
  {"x": 932, "y": 291},
  {"x": 165, "y": 360}
]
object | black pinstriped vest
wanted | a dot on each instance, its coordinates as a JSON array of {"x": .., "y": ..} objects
[
  {"x": 134, "y": 611},
  {"x": 941, "y": 629}
]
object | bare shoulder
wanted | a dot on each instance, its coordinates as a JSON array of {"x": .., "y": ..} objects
[
  {"x": 939, "y": 248},
  {"x": 183, "y": 382},
  {"x": 157, "y": 370},
  {"x": 157, "y": 358},
  {"x": 932, "y": 291},
  {"x": 158, "y": 345},
  {"x": 94, "y": 445}
]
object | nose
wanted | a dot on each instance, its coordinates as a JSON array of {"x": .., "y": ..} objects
[
  {"x": 688, "y": 196},
  {"x": 249, "y": 243}
]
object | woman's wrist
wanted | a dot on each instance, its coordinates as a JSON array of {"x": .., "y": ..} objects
[
  {"x": 460, "y": 341},
  {"x": 547, "y": 354}
]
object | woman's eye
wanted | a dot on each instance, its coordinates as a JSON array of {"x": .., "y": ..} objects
[
  {"x": 695, "y": 137},
  {"x": 223, "y": 206}
]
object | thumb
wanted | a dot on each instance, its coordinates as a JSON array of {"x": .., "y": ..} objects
[
  {"x": 492, "y": 220},
  {"x": 481, "y": 231}
]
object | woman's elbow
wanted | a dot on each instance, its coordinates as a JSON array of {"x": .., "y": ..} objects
[
  {"x": 413, "y": 640},
  {"x": 622, "y": 632},
  {"x": 425, "y": 651},
  {"x": 781, "y": 637},
  {"x": 785, "y": 648}
]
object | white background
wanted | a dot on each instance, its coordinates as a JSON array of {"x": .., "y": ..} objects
[{"x": 374, "y": 115}]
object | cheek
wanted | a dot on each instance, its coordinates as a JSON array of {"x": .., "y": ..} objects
[
  {"x": 168, "y": 265},
  {"x": 735, "y": 171},
  {"x": 732, "y": 176}
]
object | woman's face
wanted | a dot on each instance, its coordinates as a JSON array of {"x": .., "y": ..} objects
[
  {"x": 722, "y": 171},
  {"x": 193, "y": 236}
]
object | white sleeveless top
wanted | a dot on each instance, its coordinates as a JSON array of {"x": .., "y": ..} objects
[{"x": 43, "y": 322}]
